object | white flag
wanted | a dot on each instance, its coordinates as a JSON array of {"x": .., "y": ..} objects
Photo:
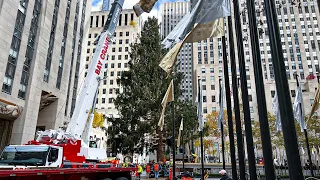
[
  {"x": 179, "y": 136},
  {"x": 221, "y": 112},
  {"x": 200, "y": 99},
  {"x": 205, "y": 11},
  {"x": 276, "y": 111},
  {"x": 298, "y": 109}
]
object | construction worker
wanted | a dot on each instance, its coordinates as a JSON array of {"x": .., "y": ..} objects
[
  {"x": 224, "y": 175},
  {"x": 140, "y": 169},
  {"x": 148, "y": 169},
  {"x": 156, "y": 168}
]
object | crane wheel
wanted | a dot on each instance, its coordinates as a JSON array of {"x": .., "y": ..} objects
[{"x": 122, "y": 178}]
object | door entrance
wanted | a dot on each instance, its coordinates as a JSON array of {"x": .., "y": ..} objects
[{"x": 5, "y": 133}]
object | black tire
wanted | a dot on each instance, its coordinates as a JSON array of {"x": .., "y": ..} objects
[{"x": 122, "y": 178}]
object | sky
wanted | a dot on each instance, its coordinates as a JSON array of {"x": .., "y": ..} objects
[{"x": 128, "y": 4}]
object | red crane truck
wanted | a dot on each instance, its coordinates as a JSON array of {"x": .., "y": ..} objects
[{"x": 65, "y": 155}]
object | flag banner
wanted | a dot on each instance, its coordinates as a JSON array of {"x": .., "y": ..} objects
[
  {"x": 298, "y": 109},
  {"x": 183, "y": 27},
  {"x": 221, "y": 112},
  {"x": 168, "y": 97},
  {"x": 180, "y": 131},
  {"x": 204, "y": 12},
  {"x": 144, "y": 6},
  {"x": 305, "y": 87},
  {"x": 316, "y": 103},
  {"x": 170, "y": 58},
  {"x": 276, "y": 111},
  {"x": 200, "y": 100},
  {"x": 187, "y": 151},
  {"x": 204, "y": 31}
]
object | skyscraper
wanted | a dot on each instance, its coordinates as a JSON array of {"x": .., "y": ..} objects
[
  {"x": 172, "y": 13},
  {"x": 41, "y": 51},
  {"x": 127, "y": 30},
  {"x": 300, "y": 38}
]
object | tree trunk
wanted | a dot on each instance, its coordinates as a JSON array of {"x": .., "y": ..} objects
[{"x": 160, "y": 155}]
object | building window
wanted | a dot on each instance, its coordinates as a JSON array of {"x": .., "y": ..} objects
[
  {"x": 251, "y": 110},
  {"x": 63, "y": 48},
  {"x": 205, "y": 110},
  {"x": 30, "y": 50},
  {"x": 273, "y": 93},
  {"x": 51, "y": 41},
  {"x": 15, "y": 47},
  {"x": 73, "y": 47},
  {"x": 204, "y": 87},
  {"x": 204, "y": 98},
  {"x": 76, "y": 78},
  {"x": 213, "y": 98}
]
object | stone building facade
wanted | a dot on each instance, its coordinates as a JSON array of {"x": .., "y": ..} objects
[{"x": 41, "y": 47}]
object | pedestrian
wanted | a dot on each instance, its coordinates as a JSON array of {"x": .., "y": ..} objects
[
  {"x": 224, "y": 175},
  {"x": 140, "y": 169},
  {"x": 156, "y": 168},
  {"x": 148, "y": 168}
]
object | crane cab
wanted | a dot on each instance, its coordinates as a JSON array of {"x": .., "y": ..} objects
[{"x": 30, "y": 156}]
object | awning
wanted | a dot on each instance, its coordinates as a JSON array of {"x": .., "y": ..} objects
[{"x": 9, "y": 111}]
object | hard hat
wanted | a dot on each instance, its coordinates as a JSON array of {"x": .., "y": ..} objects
[{"x": 223, "y": 172}]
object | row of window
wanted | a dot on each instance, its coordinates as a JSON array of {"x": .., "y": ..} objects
[
  {"x": 63, "y": 48},
  {"x": 51, "y": 41},
  {"x": 214, "y": 109},
  {"x": 75, "y": 31},
  {"x": 76, "y": 76},
  {"x": 113, "y": 57},
  {"x": 101, "y": 22},
  {"x": 15, "y": 47},
  {"x": 30, "y": 49}
]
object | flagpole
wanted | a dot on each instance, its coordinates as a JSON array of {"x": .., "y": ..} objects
[
  {"x": 305, "y": 131},
  {"x": 244, "y": 91},
  {"x": 173, "y": 144},
  {"x": 260, "y": 92},
  {"x": 229, "y": 109},
  {"x": 183, "y": 145},
  {"x": 201, "y": 132},
  {"x": 283, "y": 90},
  {"x": 221, "y": 127},
  {"x": 183, "y": 151},
  {"x": 242, "y": 166}
]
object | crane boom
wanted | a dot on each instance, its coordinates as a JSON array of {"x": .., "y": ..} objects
[{"x": 82, "y": 109}]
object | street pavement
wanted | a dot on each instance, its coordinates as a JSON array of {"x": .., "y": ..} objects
[{"x": 144, "y": 176}]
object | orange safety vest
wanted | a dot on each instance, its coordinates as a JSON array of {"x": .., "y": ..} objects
[
  {"x": 148, "y": 168},
  {"x": 156, "y": 167}
]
